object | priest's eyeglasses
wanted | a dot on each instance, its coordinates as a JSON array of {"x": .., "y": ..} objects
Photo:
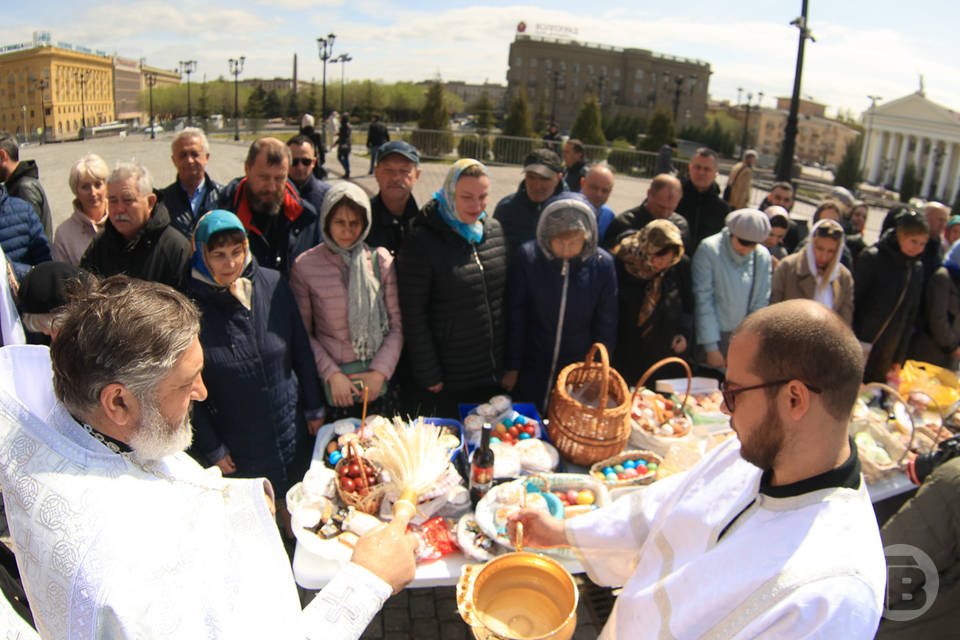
[{"x": 730, "y": 395}]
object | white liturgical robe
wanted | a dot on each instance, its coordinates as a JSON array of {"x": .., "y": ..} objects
[
  {"x": 805, "y": 566},
  {"x": 109, "y": 549}
]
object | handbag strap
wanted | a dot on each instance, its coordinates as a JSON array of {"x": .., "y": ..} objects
[
  {"x": 753, "y": 279},
  {"x": 903, "y": 294}
]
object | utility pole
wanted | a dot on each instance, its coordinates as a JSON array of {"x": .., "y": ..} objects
[{"x": 785, "y": 166}]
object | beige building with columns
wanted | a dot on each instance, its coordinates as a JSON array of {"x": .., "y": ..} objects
[{"x": 913, "y": 129}]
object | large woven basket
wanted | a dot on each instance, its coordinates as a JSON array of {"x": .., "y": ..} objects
[
  {"x": 642, "y": 438},
  {"x": 584, "y": 434}
]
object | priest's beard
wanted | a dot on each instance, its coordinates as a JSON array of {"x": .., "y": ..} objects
[
  {"x": 765, "y": 441},
  {"x": 156, "y": 437}
]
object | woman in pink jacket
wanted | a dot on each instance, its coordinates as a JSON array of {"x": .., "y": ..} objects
[{"x": 347, "y": 295}]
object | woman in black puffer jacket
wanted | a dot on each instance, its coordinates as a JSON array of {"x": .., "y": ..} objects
[
  {"x": 452, "y": 270},
  {"x": 887, "y": 291}
]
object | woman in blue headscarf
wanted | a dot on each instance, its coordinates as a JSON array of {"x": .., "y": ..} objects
[
  {"x": 261, "y": 381},
  {"x": 453, "y": 268}
]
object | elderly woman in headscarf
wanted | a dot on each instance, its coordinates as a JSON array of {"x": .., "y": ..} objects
[
  {"x": 562, "y": 297},
  {"x": 656, "y": 301},
  {"x": 88, "y": 184},
  {"x": 815, "y": 272},
  {"x": 347, "y": 295},
  {"x": 261, "y": 381},
  {"x": 453, "y": 270}
]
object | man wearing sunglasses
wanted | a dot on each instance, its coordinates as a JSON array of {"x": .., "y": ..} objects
[
  {"x": 303, "y": 159},
  {"x": 731, "y": 280},
  {"x": 772, "y": 534}
]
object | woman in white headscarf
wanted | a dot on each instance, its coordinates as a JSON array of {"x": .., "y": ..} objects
[
  {"x": 347, "y": 295},
  {"x": 816, "y": 273}
]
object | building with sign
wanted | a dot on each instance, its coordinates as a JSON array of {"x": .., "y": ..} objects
[
  {"x": 913, "y": 130},
  {"x": 559, "y": 72},
  {"x": 56, "y": 88}
]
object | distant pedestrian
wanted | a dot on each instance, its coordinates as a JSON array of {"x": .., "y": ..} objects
[
  {"x": 665, "y": 159},
  {"x": 740, "y": 182},
  {"x": 344, "y": 144},
  {"x": 377, "y": 136},
  {"x": 552, "y": 138},
  {"x": 576, "y": 164}
]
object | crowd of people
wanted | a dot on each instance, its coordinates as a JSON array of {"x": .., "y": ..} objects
[{"x": 313, "y": 298}]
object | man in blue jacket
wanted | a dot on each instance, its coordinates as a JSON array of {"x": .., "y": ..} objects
[
  {"x": 193, "y": 193},
  {"x": 21, "y": 234},
  {"x": 280, "y": 224}
]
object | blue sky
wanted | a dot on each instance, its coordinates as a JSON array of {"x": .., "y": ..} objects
[{"x": 877, "y": 47}]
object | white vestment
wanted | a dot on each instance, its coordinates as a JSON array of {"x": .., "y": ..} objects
[
  {"x": 109, "y": 549},
  {"x": 807, "y": 566},
  {"x": 10, "y": 326}
]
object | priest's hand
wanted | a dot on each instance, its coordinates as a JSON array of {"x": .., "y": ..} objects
[
  {"x": 226, "y": 465},
  {"x": 539, "y": 529},
  {"x": 387, "y": 552}
]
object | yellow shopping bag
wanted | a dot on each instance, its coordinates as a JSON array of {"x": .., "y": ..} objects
[{"x": 940, "y": 384}]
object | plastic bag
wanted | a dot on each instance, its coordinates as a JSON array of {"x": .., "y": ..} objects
[{"x": 940, "y": 384}]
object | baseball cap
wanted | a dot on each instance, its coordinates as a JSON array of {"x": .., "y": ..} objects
[
  {"x": 400, "y": 147},
  {"x": 543, "y": 162}
]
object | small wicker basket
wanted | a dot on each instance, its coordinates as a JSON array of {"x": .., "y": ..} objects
[
  {"x": 584, "y": 434},
  {"x": 597, "y": 469},
  {"x": 369, "y": 503}
]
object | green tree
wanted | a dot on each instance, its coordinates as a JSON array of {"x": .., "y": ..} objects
[
  {"x": 293, "y": 106},
  {"x": 433, "y": 137},
  {"x": 660, "y": 131},
  {"x": 848, "y": 173},
  {"x": 910, "y": 183},
  {"x": 483, "y": 110},
  {"x": 310, "y": 106},
  {"x": 517, "y": 122},
  {"x": 272, "y": 107},
  {"x": 435, "y": 115},
  {"x": 587, "y": 126},
  {"x": 203, "y": 104},
  {"x": 255, "y": 104},
  {"x": 541, "y": 119}
]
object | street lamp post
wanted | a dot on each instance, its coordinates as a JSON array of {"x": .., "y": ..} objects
[
  {"x": 151, "y": 79},
  {"x": 746, "y": 119},
  {"x": 325, "y": 46},
  {"x": 785, "y": 166},
  {"x": 43, "y": 85},
  {"x": 343, "y": 58},
  {"x": 82, "y": 77},
  {"x": 188, "y": 67},
  {"x": 866, "y": 145},
  {"x": 236, "y": 68},
  {"x": 553, "y": 108}
]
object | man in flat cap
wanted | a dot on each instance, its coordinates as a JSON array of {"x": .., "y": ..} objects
[{"x": 519, "y": 212}]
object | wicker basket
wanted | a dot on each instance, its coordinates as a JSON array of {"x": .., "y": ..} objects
[
  {"x": 369, "y": 503},
  {"x": 640, "y": 437},
  {"x": 584, "y": 434},
  {"x": 875, "y": 471},
  {"x": 597, "y": 469}
]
